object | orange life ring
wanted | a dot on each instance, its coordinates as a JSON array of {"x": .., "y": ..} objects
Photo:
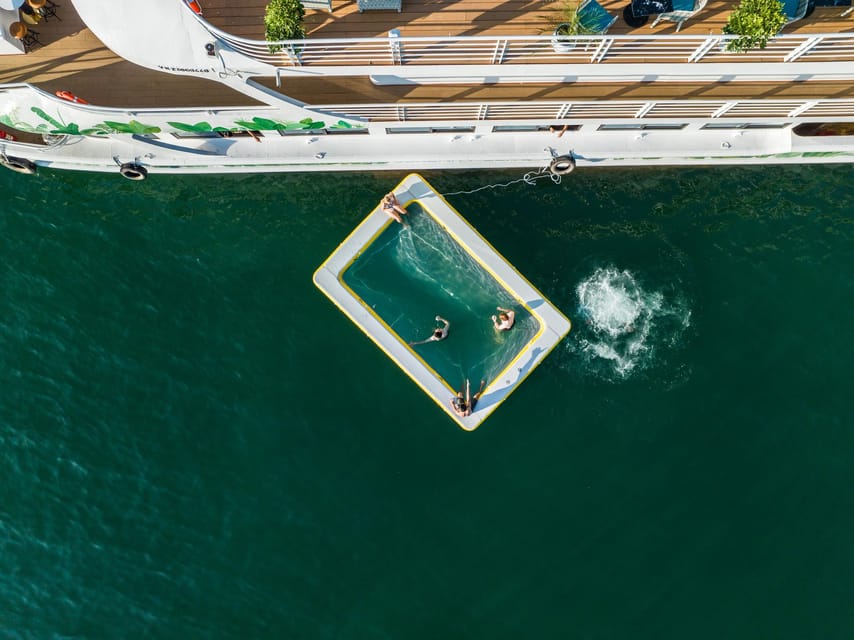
[
  {"x": 67, "y": 95},
  {"x": 195, "y": 6}
]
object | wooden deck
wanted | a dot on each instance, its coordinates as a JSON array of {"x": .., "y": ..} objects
[
  {"x": 482, "y": 17},
  {"x": 73, "y": 59}
]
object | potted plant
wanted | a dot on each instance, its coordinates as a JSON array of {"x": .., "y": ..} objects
[
  {"x": 755, "y": 22},
  {"x": 569, "y": 23},
  {"x": 283, "y": 21}
]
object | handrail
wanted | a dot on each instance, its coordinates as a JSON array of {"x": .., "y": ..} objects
[
  {"x": 481, "y": 50},
  {"x": 762, "y": 111}
]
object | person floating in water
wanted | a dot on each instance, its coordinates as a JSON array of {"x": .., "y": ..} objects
[
  {"x": 504, "y": 321},
  {"x": 439, "y": 333},
  {"x": 463, "y": 403},
  {"x": 392, "y": 208}
]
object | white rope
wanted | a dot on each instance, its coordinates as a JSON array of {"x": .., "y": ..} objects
[{"x": 529, "y": 178}]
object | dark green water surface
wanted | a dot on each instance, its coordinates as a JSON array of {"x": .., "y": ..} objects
[{"x": 195, "y": 443}]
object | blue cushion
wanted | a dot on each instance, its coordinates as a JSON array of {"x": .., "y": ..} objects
[
  {"x": 790, "y": 8},
  {"x": 683, "y": 5},
  {"x": 594, "y": 17}
]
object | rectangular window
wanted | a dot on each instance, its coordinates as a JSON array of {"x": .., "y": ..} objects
[
  {"x": 641, "y": 127},
  {"x": 301, "y": 132},
  {"x": 430, "y": 130},
  {"x": 745, "y": 125},
  {"x": 216, "y": 134},
  {"x": 344, "y": 131},
  {"x": 535, "y": 127},
  {"x": 196, "y": 134}
]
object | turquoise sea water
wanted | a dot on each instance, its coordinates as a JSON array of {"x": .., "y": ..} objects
[{"x": 195, "y": 443}]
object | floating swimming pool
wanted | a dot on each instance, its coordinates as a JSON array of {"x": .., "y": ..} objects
[{"x": 392, "y": 280}]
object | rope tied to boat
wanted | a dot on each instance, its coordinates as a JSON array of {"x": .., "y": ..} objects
[{"x": 529, "y": 178}]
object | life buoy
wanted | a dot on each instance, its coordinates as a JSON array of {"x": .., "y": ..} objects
[
  {"x": 195, "y": 6},
  {"x": 18, "y": 165},
  {"x": 562, "y": 165},
  {"x": 133, "y": 171},
  {"x": 67, "y": 95}
]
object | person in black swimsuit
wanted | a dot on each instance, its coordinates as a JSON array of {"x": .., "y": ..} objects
[
  {"x": 462, "y": 404},
  {"x": 439, "y": 333}
]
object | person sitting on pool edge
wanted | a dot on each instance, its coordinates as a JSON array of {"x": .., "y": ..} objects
[
  {"x": 439, "y": 333},
  {"x": 392, "y": 208},
  {"x": 505, "y": 319},
  {"x": 464, "y": 405}
]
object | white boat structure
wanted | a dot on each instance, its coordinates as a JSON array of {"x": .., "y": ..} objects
[{"x": 447, "y": 85}]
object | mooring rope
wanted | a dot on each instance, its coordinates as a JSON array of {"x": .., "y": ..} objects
[{"x": 529, "y": 178}]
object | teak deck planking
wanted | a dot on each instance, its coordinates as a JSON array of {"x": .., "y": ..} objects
[{"x": 73, "y": 59}]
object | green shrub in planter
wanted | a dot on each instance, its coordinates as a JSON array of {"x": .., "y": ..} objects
[
  {"x": 755, "y": 22},
  {"x": 283, "y": 21}
]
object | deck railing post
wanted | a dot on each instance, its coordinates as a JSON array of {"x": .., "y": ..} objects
[
  {"x": 794, "y": 113},
  {"x": 723, "y": 109},
  {"x": 602, "y": 50},
  {"x": 804, "y": 48},
  {"x": 498, "y": 52},
  {"x": 395, "y": 46},
  {"x": 707, "y": 45},
  {"x": 293, "y": 55}
]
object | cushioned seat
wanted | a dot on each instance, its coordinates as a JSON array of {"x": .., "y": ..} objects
[
  {"x": 594, "y": 17},
  {"x": 373, "y": 5},
  {"x": 682, "y": 10},
  {"x": 795, "y": 9}
]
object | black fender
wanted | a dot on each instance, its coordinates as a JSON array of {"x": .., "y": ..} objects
[
  {"x": 133, "y": 171},
  {"x": 562, "y": 165},
  {"x": 18, "y": 165}
]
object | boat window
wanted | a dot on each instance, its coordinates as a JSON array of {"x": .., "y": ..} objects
[
  {"x": 533, "y": 127},
  {"x": 301, "y": 132},
  {"x": 745, "y": 125},
  {"x": 195, "y": 134},
  {"x": 655, "y": 125},
  {"x": 640, "y": 127},
  {"x": 335, "y": 132},
  {"x": 430, "y": 129}
]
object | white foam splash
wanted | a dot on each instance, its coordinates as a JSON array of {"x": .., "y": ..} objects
[{"x": 627, "y": 324}]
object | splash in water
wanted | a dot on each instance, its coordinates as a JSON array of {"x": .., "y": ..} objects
[{"x": 627, "y": 326}]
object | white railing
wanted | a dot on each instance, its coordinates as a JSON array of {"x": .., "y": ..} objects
[
  {"x": 484, "y": 50},
  {"x": 746, "y": 110}
]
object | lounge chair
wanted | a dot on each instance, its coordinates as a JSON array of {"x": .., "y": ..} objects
[
  {"x": 795, "y": 9},
  {"x": 322, "y": 5},
  {"x": 682, "y": 10},
  {"x": 370, "y": 5},
  {"x": 594, "y": 17}
]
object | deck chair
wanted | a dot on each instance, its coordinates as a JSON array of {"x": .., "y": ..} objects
[
  {"x": 322, "y": 5},
  {"x": 795, "y": 9},
  {"x": 682, "y": 10},
  {"x": 371, "y": 5},
  {"x": 594, "y": 17}
]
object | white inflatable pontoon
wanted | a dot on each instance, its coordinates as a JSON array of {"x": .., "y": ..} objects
[{"x": 552, "y": 324}]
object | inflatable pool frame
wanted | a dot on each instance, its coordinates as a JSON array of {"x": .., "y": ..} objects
[{"x": 553, "y": 325}]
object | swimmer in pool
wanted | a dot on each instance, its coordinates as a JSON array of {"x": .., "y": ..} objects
[
  {"x": 392, "y": 208},
  {"x": 439, "y": 333},
  {"x": 504, "y": 321},
  {"x": 463, "y": 403}
]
